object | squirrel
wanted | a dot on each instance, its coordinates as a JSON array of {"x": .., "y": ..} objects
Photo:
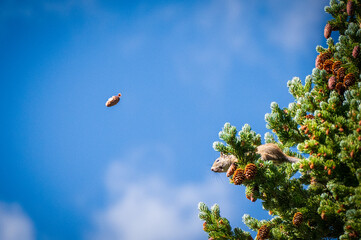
[{"x": 268, "y": 151}]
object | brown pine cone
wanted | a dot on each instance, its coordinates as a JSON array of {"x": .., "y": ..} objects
[
  {"x": 263, "y": 232},
  {"x": 297, "y": 218},
  {"x": 327, "y": 65},
  {"x": 336, "y": 65},
  {"x": 250, "y": 171},
  {"x": 313, "y": 181},
  {"x": 341, "y": 73},
  {"x": 318, "y": 63},
  {"x": 353, "y": 234},
  {"x": 321, "y": 58},
  {"x": 327, "y": 31},
  {"x": 204, "y": 226},
  {"x": 250, "y": 197},
  {"x": 331, "y": 83},
  {"x": 113, "y": 100},
  {"x": 231, "y": 169},
  {"x": 238, "y": 176},
  {"x": 340, "y": 88},
  {"x": 350, "y": 8},
  {"x": 323, "y": 215},
  {"x": 349, "y": 80},
  {"x": 356, "y": 51}
]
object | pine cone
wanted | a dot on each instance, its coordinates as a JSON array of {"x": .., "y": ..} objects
[
  {"x": 250, "y": 197},
  {"x": 356, "y": 51},
  {"x": 297, "y": 218},
  {"x": 331, "y": 83},
  {"x": 353, "y": 234},
  {"x": 323, "y": 215},
  {"x": 321, "y": 58},
  {"x": 341, "y": 73},
  {"x": 263, "y": 232},
  {"x": 204, "y": 226},
  {"x": 238, "y": 176},
  {"x": 113, "y": 100},
  {"x": 349, "y": 80},
  {"x": 350, "y": 8},
  {"x": 327, "y": 31},
  {"x": 312, "y": 165},
  {"x": 250, "y": 171},
  {"x": 336, "y": 65},
  {"x": 327, "y": 65},
  {"x": 318, "y": 63},
  {"x": 340, "y": 88},
  {"x": 313, "y": 181},
  {"x": 231, "y": 169}
]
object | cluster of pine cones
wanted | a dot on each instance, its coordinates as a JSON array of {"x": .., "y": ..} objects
[
  {"x": 239, "y": 175},
  {"x": 339, "y": 80}
]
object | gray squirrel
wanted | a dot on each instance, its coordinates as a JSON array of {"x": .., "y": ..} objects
[{"x": 268, "y": 151}]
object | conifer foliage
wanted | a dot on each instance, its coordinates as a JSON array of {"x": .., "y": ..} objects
[{"x": 324, "y": 124}]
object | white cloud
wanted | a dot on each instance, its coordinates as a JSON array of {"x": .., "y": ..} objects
[
  {"x": 145, "y": 204},
  {"x": 14, "y": 223}
]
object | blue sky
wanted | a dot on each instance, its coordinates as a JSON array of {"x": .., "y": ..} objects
[{"x": 74, "y": 169}]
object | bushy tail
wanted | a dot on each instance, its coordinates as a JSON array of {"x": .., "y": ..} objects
[{"x": 293, "y": 159}]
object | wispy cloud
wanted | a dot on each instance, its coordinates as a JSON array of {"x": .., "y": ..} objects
[
  {"x": 209, "y": 40},
  {"x": 145, "y": 204},
  {"x": 205, "y": 41},
  {"x": 14, "y": 223},
  {"x": 291, "y": 29}
]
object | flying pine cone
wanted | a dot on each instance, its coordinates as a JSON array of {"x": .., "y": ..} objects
[{"x": 113, "y": 100}]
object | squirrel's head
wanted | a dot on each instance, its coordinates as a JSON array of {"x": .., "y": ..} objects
[{"x": 222, "y": 163}]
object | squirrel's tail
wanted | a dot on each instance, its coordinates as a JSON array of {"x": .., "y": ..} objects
[{"x": 292, "y": 159}]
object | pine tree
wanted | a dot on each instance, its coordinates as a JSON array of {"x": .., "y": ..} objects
[{"x": 324, "y": 124}]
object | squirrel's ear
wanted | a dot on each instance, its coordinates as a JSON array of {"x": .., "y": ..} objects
[{"x": 222, "y": 154}]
